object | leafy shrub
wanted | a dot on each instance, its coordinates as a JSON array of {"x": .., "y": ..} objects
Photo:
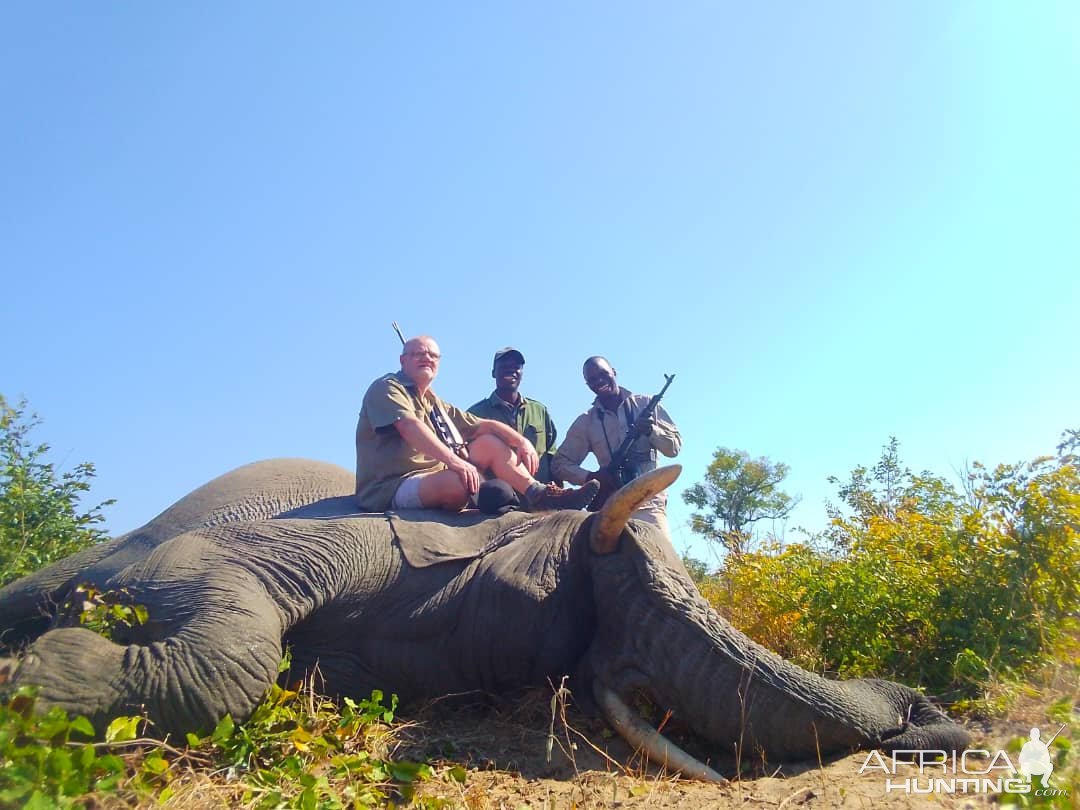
[
  {"x": 45, "y": 765},
  {"x": 298, "y": 749},
  {"x": 764, "y": 593},
  {"x": 40, "y": 517},
  {"x": 111, "y": 614},
  {"x": 916, "y": 581}
]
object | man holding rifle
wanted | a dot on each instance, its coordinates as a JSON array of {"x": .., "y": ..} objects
[{"x": 614, "y": 416}]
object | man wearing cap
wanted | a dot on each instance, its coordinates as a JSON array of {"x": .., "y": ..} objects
[
  {"x": 413, "y": 450},
  {"x": 527, "y": 416}
]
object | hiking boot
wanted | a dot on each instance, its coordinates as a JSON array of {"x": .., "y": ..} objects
[{"x": 553, "y": 497}]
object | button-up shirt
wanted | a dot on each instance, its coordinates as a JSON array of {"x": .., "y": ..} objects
[
  {"x": 600, "y": 432},
  {"x": 383, "y": 458}
]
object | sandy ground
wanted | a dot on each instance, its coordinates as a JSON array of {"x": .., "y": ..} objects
[
  {"x": 532, "y": 753},
  {"x": 504, "y": 746}
]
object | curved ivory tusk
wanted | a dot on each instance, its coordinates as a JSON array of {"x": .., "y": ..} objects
[
  {"x": 616, "y": 512},
  {"x": 656, "y": 746}
]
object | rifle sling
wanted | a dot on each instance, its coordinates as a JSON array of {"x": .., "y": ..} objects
[{"x": 629, "y": 427}]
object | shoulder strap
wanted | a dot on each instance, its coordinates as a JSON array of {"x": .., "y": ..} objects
[{"x": 445, "y": 428}]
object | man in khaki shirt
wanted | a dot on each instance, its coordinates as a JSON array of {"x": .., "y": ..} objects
[
  {"x": 415, "y": 451},
  {"x": 602, "y": 428}
]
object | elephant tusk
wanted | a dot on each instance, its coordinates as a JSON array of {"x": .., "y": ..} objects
[
  {"x": 656, "y": 746},
  {"x": 612, "y": 518}
]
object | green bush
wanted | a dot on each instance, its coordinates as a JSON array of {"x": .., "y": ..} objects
[
  {"x": 916, "y": 581},
  {"x": 40, "y": 517},
  {"x": 298, "y": 750}
]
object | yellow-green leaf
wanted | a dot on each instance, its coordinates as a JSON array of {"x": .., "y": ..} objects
[{"x": 122, "y": 729}]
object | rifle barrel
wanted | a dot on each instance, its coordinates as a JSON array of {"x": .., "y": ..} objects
[{"x": 397, "y": 329}]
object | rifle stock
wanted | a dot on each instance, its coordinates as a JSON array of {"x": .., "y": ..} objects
[{"x": 613, "y": 474}]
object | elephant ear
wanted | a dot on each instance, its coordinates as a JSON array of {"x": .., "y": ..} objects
[{"x": 428, "y": 538}]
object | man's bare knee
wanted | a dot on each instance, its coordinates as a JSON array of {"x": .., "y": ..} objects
[
  {"x": 484, "y": 450},
  {"x": 443, "y": 490}
]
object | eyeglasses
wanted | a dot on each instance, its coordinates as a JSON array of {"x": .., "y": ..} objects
[{"x": 424, "y": 353}]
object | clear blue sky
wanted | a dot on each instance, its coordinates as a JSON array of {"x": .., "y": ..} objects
[{"x": 835, "y": 223}]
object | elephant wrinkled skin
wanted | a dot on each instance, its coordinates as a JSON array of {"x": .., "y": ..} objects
[{"x": 272, "y": 555}]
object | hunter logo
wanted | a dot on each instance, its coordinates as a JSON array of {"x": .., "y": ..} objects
[
  {"x": 973, "y": 770},
  {"x": 1035, "y": 758}
]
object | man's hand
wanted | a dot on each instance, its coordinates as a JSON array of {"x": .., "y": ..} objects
[
  {"x": 606, "y": 479},
  {"x": 467, "y": 474},
  {"x": 644, "y": 427},
  {"x": 526, "y": 455}
]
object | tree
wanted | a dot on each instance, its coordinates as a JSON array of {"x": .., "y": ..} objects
[
  {"x": 40, "y": 517},
  {"x": 738, "y": 491},
  {"x": 885, "y": 492}
]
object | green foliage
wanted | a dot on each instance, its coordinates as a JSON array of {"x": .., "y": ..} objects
[
  {"x": 697, "y": 569},
  {"x": 111, "y": 614},
  {"x": 40, "y": 517},
  {"x": 298, "y": 750},
  {"x": 737, "y": 492},
  {"x": 48, "y": 761},
  {"x": 920, "y": 582},
  {"x": 303, "y": 750},
  {"x": 763, "y": 593}
]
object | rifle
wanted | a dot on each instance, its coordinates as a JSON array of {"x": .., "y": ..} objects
[
  {"x": 397, "y": 329},
  {"x": 617, "y": 473}
]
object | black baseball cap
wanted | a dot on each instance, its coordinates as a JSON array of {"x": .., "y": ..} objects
[
  {"x": 496, "y": 497},
  {"x": 503, "y": 352}
]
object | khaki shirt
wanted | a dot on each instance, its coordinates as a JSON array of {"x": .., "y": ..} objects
[
  {"x": 383, "y": 459},
  {"x": 529, "y": 418},
  {"x": 600, "y": 432}
]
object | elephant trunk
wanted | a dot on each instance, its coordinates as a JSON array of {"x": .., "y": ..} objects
[
  {"x": 218, "y": 659},
  {"x": 666, "y": 641}
]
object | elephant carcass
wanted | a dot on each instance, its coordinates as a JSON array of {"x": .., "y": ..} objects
[{"x": 272, "y": 555}]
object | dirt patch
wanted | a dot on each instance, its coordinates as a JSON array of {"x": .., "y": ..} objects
[{"x": 525, "y": 754}]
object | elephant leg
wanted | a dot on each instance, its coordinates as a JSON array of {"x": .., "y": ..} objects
[{"x": 218, "y": 654}]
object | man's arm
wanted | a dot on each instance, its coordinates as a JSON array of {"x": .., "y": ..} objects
[
  {"x": 572, "y": 452},
  {"x": 665, "y": 436},
  {"x": 422, "y": 438}
]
